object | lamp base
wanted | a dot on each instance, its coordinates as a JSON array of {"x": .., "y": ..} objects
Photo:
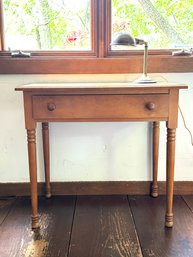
[{"x": 144, "y": 79}]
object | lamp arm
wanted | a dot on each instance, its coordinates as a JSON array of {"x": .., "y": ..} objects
[
  {"x": 142, "y": 42},
  {"x": 145, "y": 61}
]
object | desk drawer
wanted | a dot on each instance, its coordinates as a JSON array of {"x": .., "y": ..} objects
[{"x": 100, "y": 107}]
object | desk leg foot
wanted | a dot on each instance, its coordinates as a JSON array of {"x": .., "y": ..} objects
[
  {"x": 35, "y": 222},
  {"x": 156, "y": 132},
  {"x": 169, "y": 220},
  {"x": 171, "y": 138},
  {"x": 48, "y": 195},
  {"x": 154, "y": 190}
]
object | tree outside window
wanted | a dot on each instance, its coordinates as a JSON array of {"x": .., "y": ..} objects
[
  {"x": 163, "y": 23},
  {"x": 48, "y": 24},
  {"x": 66, "y": 24}
]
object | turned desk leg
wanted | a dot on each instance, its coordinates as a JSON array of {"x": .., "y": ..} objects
[
  {"x": 31, "y": 138},
  {"x": 156, "y": 132},
  {"x": 46, "y": 150},
  {"x": 171, "y": 137}
]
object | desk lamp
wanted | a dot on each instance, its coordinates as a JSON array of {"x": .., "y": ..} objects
[{"x": 125, "y": 39}]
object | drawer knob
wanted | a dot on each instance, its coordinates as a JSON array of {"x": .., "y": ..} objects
[
  {"x": 51, "y": 107},
  {"x": 150, "y": 106}
]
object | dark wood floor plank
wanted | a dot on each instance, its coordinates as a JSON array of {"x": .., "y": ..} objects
[
  {"x": 103, "y": 227},
  {"x": 155, "y": 239},
  {"x": 5, "y": 206},
  {"x": 189, "y": 201},
  {"x": 52, "y": 239}
]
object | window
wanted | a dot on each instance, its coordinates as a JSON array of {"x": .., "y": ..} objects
[
  {"x": 164, "y": 24},
  {"x": 48, "y": 25},
  {"x": 74, "y": 36}
]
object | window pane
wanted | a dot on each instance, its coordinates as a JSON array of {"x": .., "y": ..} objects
[
  {"x": 48, "y": 24},
  {"x": 164, "y": 24}
]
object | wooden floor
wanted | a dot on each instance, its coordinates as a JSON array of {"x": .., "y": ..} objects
[{"x": 96, "y": 226}]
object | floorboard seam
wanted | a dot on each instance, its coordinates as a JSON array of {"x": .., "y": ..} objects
[
  {"x": 187, "y": 204},
  {"x": 70, "y": 237},
  {"x": 10, "y": 209},
  {"x": 132, "y": 214}
]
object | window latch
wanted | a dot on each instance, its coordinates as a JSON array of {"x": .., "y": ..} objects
[
  {"x": 182, "y": 52},
  {"x": 20, "y": 54}
]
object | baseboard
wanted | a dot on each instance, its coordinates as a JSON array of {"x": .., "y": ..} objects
[{"x": 95, "y": 188}]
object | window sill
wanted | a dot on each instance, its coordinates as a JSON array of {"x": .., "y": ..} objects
[{"x": 93, "y": 65}]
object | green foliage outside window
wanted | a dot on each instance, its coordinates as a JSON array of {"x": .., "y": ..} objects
[
  {"x": 66, "y": 24},
  {"x": 163, "y": 23},
  {"x": 48, "y": 24}
]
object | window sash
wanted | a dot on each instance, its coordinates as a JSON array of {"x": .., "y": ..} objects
[
  {"x": 94, "y": 45},
  {"x": 124, "y": 53},
  {"x": 100, "y": 60},
  {"x": 100, "y": 36}
]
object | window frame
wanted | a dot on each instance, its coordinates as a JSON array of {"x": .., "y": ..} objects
[
  {"x": 101, "y": 59},
  {"x": 91, "y": 52}
]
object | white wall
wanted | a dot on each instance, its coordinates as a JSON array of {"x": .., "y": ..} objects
[{"x": 90, "y": 151}]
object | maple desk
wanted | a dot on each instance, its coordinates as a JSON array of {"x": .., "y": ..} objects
[{"x": 101, "y": 102}]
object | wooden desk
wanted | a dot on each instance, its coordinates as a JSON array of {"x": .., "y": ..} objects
[{"x": 101, "y": 102}]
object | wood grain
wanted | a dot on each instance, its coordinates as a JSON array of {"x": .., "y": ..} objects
[
  {"x": 99, "y": 60},
  {"x": 92, "y": 65},
  {"x": 94, "y": 107},
  {"x": 5, "y": 206},
  {"x": 103, "y": 226},
  {"x": 46, "y": 152},
  {"x": 155, "y": 153},
  {"x": 55, "y": 104},
  {"x": 155, "y": 240},
  {"x": 52, "y": 239},
  {"x": 31, "y": 139},
  {"x": 96, "y": 188},
  {"x": 16, "y": 229},
  {"x": 189, "y": 201}
]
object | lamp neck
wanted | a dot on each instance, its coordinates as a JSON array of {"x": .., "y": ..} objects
[{"x": 145, "y": 61}]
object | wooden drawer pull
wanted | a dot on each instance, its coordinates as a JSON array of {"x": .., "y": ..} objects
[
  {"x": 150, "y": 106},
  {"x": 51, "y": 107}
]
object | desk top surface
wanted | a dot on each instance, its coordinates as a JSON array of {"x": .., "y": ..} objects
[{"x": 97, "y": 86}]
